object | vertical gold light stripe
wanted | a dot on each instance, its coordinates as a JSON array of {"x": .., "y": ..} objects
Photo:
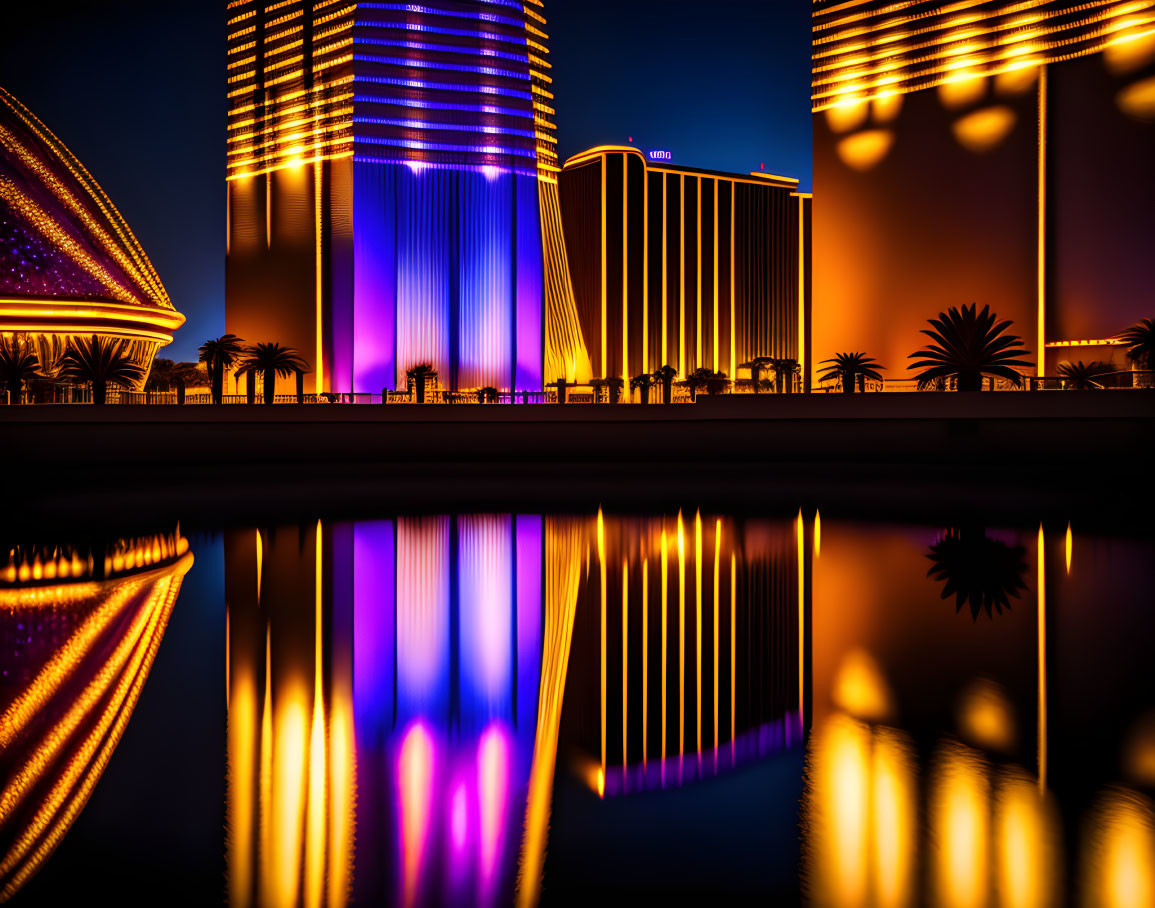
[
  {"x": 682, "y": 283},
  {"x": 1042, "y": 226},
  {"x": 665, "y": 274},
  {"x": 698, "y": 284},
  {"x": 646, "y": 365},
  {"x": 801, "y": 612},
  {"x": 717, "y": 342},
  {"x": 602, "y": 569},
  {"x": 733, "y": 286},
  {"x": 1042, "y": 658},
  {"x": 319, "y": 377},
  {"x": 665, "y": 600},
  {"x": 802, "y": 289},
  {"x": 268, "y": 211},
  {"x": 626, "y": 273},
  {"x": 625, "y": 660},
  {"x": 604, "y": 366},
  {"x": 698, "y": 625},
  {"x": 645, "y": 657}
]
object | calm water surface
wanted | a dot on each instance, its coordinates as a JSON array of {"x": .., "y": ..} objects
[{"x": 485, "y": 709}]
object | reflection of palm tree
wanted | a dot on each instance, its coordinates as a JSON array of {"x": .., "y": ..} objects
[
  {"x": 1140, "y": 342},
  {"x": 665, "y": 376},
  {"x": 218, "y": 355},
  {"x": 967, "y": 347},
  {"x": 642, "y": 383},
  {"x": 852, "y": 369},
  {"x": 100, "y": 362},
  {"x": 1082, "y": 376},
  {"x": 272, "y": 360},
  {"x": 977, "y": 570},
  {"x": 18, "y": 364},
  {"x": 419, "y": 376}
]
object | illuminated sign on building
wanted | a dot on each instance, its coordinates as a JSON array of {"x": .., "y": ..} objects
[{"x": 661, "y": 156}]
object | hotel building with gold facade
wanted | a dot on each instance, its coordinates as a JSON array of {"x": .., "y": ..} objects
[
  {"x": 983, "y": 152},
  {"x": 686, "y": 267}
]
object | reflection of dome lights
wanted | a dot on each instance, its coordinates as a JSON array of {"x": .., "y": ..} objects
[
  {"x": 75, "y": 687},
  {"x": 986, "y": 717},
  {"x": 860, "y": 689},
  {"x": 1138, "y": 100}
]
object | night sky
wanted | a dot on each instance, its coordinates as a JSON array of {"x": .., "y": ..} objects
[{"x": 136, "y": 91}]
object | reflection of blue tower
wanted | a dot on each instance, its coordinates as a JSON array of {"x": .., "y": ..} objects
[{"x": 447, "y": 660}]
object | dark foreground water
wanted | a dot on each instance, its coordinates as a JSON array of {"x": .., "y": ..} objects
[{"x": 481, "y": 709}]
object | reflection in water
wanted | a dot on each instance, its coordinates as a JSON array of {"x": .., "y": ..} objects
[
  {"x": 977, "y": 570},
  {"x": 1119, "y": 861},
  {"x": 79, "y": 628},
  {"x": 399, "y": 684}
]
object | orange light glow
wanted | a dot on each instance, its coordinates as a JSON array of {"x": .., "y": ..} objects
[
  {"x": 1119, "y": 856},
  {"x": 1026, "y": 848},
  {"x": 984, "y": 130},
  {"x": 959, "y": 817},
  {"x": 986, "y": 717},
  {"x": 1138, "y": 100},
  {"x": 860, "y": 689},
  {"x": 415, "y": 777},
  {"x": 962, "y": 90},
  {"x": 866, "y": 150}
]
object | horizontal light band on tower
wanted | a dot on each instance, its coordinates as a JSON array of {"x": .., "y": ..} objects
[{"x": 875, "y": 49}]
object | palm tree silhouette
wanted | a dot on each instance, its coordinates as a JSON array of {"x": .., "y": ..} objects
[
  {"x": 615, "y": 384},
  {"x": 487, "y": 395},
  {"x": 18, "y": 364},
  {"x": 852, "y": 369},
  {"x": 978, "y": 571},
  {"x": 101, "y": 362},
  {"x": 1082, "y": 376},
  {"x": 784, "y": 372},
  {"x": 968, "y": 346},
  {"x": 218, "y": 355},
  {"x": 697, "y": 380},
  {"x": 1140, "y": 342},
  {"x": 165, "y": 375},
  {"x": 418, "y": 377},
  {"x": 642, "y": 384},
  {"x": 757, "y": 366},
  {"x": 665, "y": 376},
  {"x": 597, "y": 385},
  {"x": 271, "y": 360}
]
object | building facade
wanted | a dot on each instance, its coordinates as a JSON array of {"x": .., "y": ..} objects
[
  {"x": 69, "y": 264},
  {"x": 684, "y": 267},
  {"x": 998, "y": 156},
  {"x": 391, "y": 176}
]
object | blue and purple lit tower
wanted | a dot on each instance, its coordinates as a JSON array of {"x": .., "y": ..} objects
[{"x": 390, "y": 169}]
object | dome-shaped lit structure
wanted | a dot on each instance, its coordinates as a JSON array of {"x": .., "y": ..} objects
[{"x": 69, "y": 265}]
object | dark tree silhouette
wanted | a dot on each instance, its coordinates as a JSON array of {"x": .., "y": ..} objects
[
  {"x": 968, "y": 345},
  {"x": 219, "y": 354},
  {"x": 1140, "y": 342},
  {"x": 642, "y": 384},
  {"x": 1082, "y": 376},
  {"x": 419, "y": 376},
  {"x": 18, "y": 364},
  {"x": 978, "y": 571},
  {"x": 100, "y": 362},
  {"x": 665, "y": 377},
  {"x": 757, "y": 366},
  {"x": 851, "y": 369},
  {"x": 487, "y": 395},
  {"x": 271, "y": 360},
  {"x": 598, "y": 385},
  {"x": 717, "y": 383},
  {"x": 784, "y": 372},
  {"x": 615, "y": 384},
  {"x": 165, "y": 375}
]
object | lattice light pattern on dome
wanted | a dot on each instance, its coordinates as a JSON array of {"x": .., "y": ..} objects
[{"x": 871, "y": 50}]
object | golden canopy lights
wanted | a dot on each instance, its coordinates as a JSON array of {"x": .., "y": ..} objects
[
  {"x": 952, "y": 148},
  {"x": 69, "y": 265},
  {"x": 99, "y": 613}
]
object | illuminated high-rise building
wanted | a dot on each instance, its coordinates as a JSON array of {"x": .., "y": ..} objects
[
  {"x": 684, "y": 267},
  {"x": 988, "y": 153},
  {"x": 391, "y": 177}
]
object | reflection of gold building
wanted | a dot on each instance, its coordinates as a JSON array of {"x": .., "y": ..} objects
[
  {"x": 991, "y": 153},
  {"x": 69, "y": 265},
  {"x": 100, "y": 615}
]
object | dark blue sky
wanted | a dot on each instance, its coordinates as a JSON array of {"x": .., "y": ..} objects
[{"x": 135, "y": 89}]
